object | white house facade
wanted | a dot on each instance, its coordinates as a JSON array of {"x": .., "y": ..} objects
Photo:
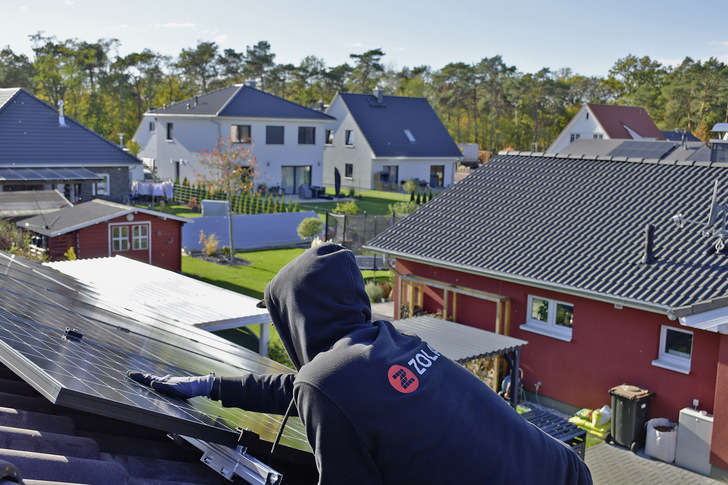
[
  {"x": 377, "y": 142},
  {"x": 287, "y": 140}
]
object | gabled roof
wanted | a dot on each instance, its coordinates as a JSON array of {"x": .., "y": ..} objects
[
  {"x": 625, "y": 121},
  {"x": 385, "y": 126},
  {"x": 577, "y": 226},
  {"x": 240, "y": 101},
  {"x": 31, "y": 135},
  {"x": 83, "y": 215}
]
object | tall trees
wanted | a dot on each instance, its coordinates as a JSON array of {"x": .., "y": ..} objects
[
  {"x": 366, "y": 71},
  {"x": 199, "y": 65},
  {"x": 16, "y": 70}
]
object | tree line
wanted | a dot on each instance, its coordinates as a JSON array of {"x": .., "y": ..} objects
[{"x": 488, "y": 103}]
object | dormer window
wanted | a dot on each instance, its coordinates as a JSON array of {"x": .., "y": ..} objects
[{"x": 409, "y": 136}]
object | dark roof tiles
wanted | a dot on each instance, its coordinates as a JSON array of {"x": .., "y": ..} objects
[{"x": 575, "y": 223}]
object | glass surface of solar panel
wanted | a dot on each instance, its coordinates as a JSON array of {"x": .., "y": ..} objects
[{"x": 38, "y": 304}]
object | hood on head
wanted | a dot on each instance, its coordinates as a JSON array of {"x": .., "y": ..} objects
[{"x": 317, "y": 299}]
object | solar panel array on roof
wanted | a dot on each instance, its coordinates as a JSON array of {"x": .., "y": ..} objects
[
  {"x": 642, "y": 149},
  {"x": 75, "y": 352}
]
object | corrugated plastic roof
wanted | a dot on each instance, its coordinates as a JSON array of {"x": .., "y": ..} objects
[
  {"x": 135, "y": 288},
  {"x": 384, "y": 124},
  {"x": 456, "y": 341},
  {"x": 575, "y": 225},
  {"x": 32, "y": 136}
]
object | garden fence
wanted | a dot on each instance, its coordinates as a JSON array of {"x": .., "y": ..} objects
[
  {"x": 241, "y": 204},
  {"x": 353, "y": 232}
]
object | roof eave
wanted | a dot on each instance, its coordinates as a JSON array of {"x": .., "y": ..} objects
[{"x": 592, "y": 295}]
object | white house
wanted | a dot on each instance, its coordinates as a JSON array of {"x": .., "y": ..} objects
[
  {"x": 287, "y": 139},
  {"x": 607, "y": 122},
  {"x": 376, "y": 141}
]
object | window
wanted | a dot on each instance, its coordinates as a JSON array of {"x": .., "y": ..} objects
[
  {"x": 102, "y": 188},
  {"x": 676, "y": 349},
  {"x": 549, "y": 317},
  {"x": 574, "y": 136},
  {"x": 598, "y": 136},
  {"x": 409, "y": 136},
  {"x": 437, "y": 175},
  {"x": 152, "y": 126},
  {"x": 349, "y": 170},
  {"x": 349, "y": 137},
  {"x": 140, "y": 237},
  {"x": 306, "y": 135},
  {"x": 170, "y": 131},
  {"x": 292, "y": 177},
  {"x": 274, "y": 135},
  {"x": 393, "y": 171},
  {"x": 240, "y": 133},
  {"x": 120, "y": 238},
  {"x": 329, "y": 137}
]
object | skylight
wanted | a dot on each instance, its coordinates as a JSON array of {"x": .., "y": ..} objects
[{"x": 410, "y": 136}]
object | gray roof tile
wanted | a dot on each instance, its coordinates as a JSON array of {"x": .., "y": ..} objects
[
  {"x": 383, "y": 126},
  {"x": 240, "y": 101},
  {"x": 575, "y": 223},
  {"x": 31, "y": 136}
]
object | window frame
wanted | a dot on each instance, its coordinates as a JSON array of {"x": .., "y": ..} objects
[
  {"x": 549, "y": 327},
  {"x": 103, "y": 187},
  {"x": 349, "y": 170},
  {"x": 271, "y": 137},
  {"x": 170, "y": 131},
  {"x": 349, "y": 138},
  {"x": 575, "y": 136},
  {"x": 152, "y": 127},
  {"x": 329, "y": 137},
  {"x": 140, "y": 242},
  {"x": 237, "y": 135},
  {"x": 306, "y": 135},
  {"x": 120, "y": 241},
  {"x": 671, "y": 361}
]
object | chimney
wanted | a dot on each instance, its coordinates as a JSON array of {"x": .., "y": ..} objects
[
  {"x": 61, "y": 117},
  {"x": 379, "y": 94},
  {"x": 250, "y": 83}
]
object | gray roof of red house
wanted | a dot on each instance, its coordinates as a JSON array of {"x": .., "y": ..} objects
[
  {"x": 615, "y": 118},
  {"x": 85, "y": 214},
  {"x": 384, "y": 124},
  {"x": 577, "y": 224},
  {"x": 31, "y": 135},
  {"x": 240, "y": 101}
]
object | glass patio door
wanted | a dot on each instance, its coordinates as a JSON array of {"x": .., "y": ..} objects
[{"x": 292, "y": 177}]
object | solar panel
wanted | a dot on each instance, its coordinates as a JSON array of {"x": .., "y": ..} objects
[
  {"x": 55, "y": 335},
  {"x": 642, "y": 149}
]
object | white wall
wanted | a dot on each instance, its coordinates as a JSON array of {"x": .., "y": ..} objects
[{"x": 192, "y": 135}]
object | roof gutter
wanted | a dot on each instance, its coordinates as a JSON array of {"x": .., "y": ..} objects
[{"x": 592, "y": 295}]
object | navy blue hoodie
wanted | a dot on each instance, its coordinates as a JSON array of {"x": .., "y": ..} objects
[{"x": 381, "y": 407}]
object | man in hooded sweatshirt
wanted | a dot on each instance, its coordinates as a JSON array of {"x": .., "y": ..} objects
[{"x": 380, "y": 407}]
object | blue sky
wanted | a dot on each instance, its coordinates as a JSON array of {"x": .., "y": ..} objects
[{"x": 588, "y": 37}]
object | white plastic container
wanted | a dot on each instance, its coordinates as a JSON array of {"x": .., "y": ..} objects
[{"x": 661, "y": 439}]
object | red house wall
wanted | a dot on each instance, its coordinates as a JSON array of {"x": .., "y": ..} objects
[
  {"x": 719, "y": 446},
  {"x": 609, "y": 346},
  {"x": 165, "y": 240}
]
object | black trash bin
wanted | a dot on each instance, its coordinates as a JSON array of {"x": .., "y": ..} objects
[{"x": 630, "y": 411}]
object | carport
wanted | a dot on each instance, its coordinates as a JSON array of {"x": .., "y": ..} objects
[{"x": 462, "y": 343}]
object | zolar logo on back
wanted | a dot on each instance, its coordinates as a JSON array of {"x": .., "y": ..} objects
[{"x": 403, "y": 379}]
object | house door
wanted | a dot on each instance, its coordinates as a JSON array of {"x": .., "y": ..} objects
[{"x": 292, "y": 177}]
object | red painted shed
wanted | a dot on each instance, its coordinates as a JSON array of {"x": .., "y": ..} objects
[{"x": 100, "y": 228}]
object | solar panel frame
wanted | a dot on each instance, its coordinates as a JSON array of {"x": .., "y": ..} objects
[{"x": 38, "y": 305}]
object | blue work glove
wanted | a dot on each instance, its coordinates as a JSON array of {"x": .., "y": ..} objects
[{"x": 181, "y": 387}]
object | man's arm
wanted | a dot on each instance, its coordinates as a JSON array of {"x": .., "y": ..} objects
[{"x": 263, "y": 393}]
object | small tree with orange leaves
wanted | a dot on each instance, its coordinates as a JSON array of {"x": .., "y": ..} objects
[{"x": 229, "y": 168}]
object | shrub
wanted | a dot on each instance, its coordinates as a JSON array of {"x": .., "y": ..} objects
[
  {"x": 348, "y": 207},
  {"x": 209, "y": 243},
  {"x": 225, "y": 251},
  {"x": 70, "y": 254},
  {"x": 277, "y": 352},
  {"x": 410, "y": 185},
  {"x": 403, "y": 207},
  {"x": 310, "y": 227},
  {"x": 374, "y": 291}
]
